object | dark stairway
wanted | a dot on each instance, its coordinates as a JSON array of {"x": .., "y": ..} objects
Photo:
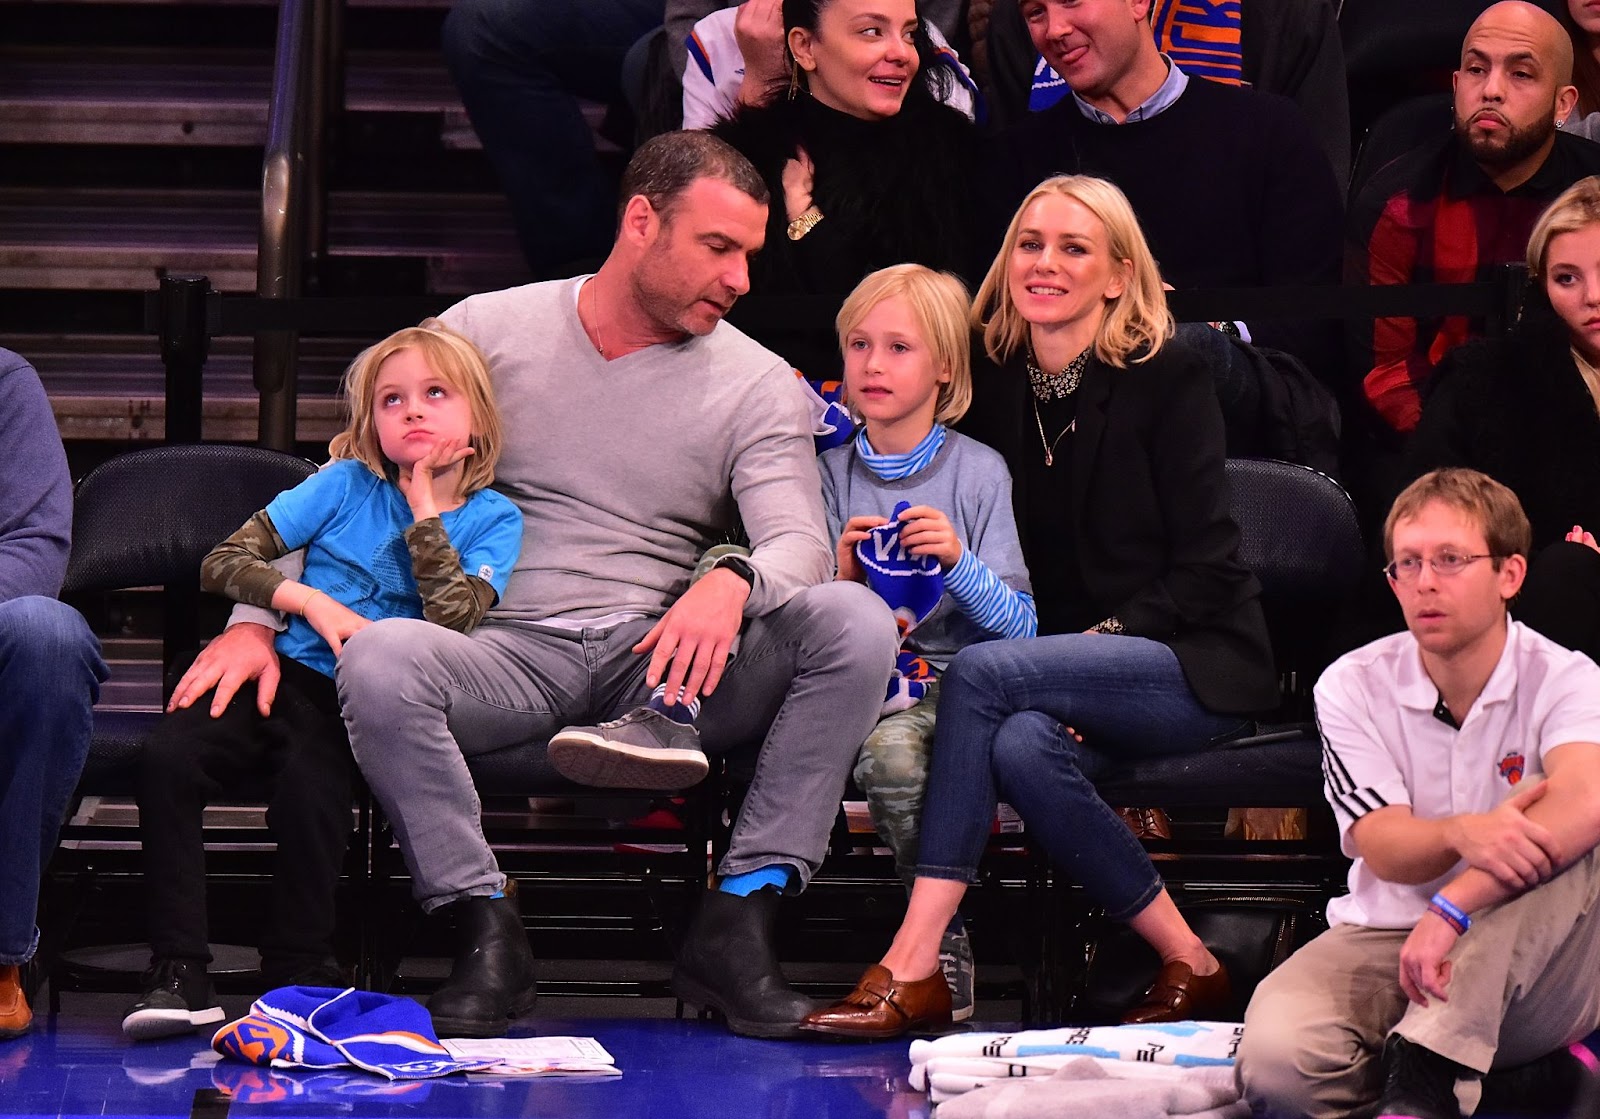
[{"x": 131, "y": 144}]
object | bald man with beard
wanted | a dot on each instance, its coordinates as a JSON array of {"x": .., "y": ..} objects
[{"x": 1454, "y": 210}]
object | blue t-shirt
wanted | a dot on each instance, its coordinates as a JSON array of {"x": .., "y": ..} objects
[{"x": 352, "y": 524}]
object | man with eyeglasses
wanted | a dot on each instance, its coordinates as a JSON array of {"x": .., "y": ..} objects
[{"x": 1462, "y": 761}]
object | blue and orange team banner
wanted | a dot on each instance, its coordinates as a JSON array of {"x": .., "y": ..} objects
[{"x": 1201, "y": 36}]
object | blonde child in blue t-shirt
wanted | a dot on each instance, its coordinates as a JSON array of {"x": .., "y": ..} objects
[{"x": 399, "y": 524}]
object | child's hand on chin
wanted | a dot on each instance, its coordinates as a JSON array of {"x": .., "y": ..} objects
[
  {"x": 417, "y": 483},
  {"x": 333, "y": 620}
]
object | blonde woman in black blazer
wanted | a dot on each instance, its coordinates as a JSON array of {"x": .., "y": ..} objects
[{"x": 1156, "y": 641}]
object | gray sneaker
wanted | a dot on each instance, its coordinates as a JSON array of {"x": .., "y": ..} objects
[
  {"x": 642, "y": 750},
  {"x": 955, "y": 960}
]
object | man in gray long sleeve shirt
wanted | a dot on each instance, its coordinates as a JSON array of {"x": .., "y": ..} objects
[
  {"x": 639, "y": 425},
  {"x": 50, "y": 668}
]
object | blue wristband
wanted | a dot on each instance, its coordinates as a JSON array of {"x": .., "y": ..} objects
[{"x": 1451, "y": 912}]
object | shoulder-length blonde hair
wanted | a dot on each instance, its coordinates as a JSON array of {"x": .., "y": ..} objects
[
  {"x": 1136, "y": 320},
  {"x": 938, "y": 303},
  {"x": 1577, "y": 207},
  {"x": 459, "y": 364}
]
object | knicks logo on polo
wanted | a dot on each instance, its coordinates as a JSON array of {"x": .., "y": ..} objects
[{"x": 1510, "y": 768}]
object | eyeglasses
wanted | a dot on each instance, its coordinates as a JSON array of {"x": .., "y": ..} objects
[{"x": 1443, "y": 563}]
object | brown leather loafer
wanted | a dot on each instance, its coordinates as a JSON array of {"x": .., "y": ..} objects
[
  {"x": 1178, "y": 995},
  {"x": 883, "y": 1007},
  {"x": 1146, "y": 823},
  {"x": 15, "y": 1017}
]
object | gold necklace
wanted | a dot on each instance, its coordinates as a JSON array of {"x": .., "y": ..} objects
[
  {"x": 594, "y": 317},
  {"x": 1049, "y": 447}
]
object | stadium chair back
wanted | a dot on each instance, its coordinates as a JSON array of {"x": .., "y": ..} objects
[{"x": 148, "y": 518}]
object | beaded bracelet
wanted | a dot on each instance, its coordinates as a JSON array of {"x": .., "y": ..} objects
[{"x": 1452, "y": 914}]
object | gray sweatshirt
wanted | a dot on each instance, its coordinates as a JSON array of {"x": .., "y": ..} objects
[{"x": 627, "y": 470}]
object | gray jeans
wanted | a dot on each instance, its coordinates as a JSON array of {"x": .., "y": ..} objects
[{"x": 418, "y": 698}]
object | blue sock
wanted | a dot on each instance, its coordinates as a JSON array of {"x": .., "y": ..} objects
[
  {"x": 684, "y": 711},
  {"x": 778, "y": 875}
]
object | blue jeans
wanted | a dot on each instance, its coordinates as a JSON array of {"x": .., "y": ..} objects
[
  {"x": 1003, "y": 711},
  {"x": 50, "y": 674},
  {"x": 520, "y": 66}
]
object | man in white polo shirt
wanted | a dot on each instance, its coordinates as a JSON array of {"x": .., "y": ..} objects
[{"x": 1462, "y": 761}]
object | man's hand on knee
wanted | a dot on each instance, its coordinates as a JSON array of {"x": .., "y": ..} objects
[
  {"x": 1424, "y": 971},
  {"x": 689, "y": 645},
  {"x": 242, "y": 653}
]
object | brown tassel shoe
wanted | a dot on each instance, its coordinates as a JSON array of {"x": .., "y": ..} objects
[
  {"x": 1179, "y": 995},
  {"x": 883, "y": 1007},
  {"x": 15, "y": 1017}
]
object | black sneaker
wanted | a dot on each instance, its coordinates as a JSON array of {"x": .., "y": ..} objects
[
  {"x": 1418, "y": 1083},
  {"x": 177, "y": 999},
  {"x": 642, "y": 750}
]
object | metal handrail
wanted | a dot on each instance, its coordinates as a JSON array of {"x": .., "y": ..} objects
[{"x": 290, "y": 172}]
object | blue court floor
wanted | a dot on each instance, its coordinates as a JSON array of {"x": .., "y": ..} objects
[{"x": 81, "y": 1066}]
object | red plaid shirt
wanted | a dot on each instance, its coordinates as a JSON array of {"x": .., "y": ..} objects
[{"x": 1433, "y": 216}]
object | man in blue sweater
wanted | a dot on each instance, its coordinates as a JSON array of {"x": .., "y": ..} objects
[{"x": 50, "y": 670}]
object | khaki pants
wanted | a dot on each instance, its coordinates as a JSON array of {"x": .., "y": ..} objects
[{"x": 1525, "y": 981}]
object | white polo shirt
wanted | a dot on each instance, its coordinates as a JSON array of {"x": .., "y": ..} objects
[{"x": 1387, "y": 739}]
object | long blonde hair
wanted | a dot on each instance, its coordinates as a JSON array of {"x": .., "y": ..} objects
[
  {"x": 458, "y": 363},
  {"x": 938, "y": 303},
  {"x": 1136, "y": 320},
  {"x": 1577, "y": 207}
]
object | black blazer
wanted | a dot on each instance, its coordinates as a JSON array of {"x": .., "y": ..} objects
[{"x": 1157, "y": 546}]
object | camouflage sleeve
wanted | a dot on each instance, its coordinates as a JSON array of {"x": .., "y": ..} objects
[
  {"x": 240, "y": 566},
  {"x": 450, "y": 597}
]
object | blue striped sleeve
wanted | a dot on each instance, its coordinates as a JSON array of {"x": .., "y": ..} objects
[{"x": 993, "y": 606}]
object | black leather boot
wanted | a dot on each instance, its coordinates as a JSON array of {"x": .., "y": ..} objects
[
  {"x": 491, "y": 981},
  {"x": 728, "y": 964}
]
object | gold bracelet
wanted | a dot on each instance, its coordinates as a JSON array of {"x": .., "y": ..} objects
[
  {"x": 307, "y": 600},
  {"x": 805, "y": 223}
]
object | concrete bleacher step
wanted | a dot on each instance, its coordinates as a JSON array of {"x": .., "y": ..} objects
[
  {"x": 189, "y": 97},
  {"x": 112, "y": 387},
  {"x": 108, "y": 239}
]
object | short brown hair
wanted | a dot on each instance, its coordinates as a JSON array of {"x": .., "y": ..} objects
[
  {"x": 665, "y": 165},
  {"x": 938, "y": 303},
  {"x": 1491, "y": 505},
  {"x": 457, "y": 362}
]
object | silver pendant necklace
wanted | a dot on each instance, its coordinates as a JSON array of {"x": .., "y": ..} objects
[{"x": 1050, "y": 447}]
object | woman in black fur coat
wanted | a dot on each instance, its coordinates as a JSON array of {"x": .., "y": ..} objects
[
  {"x": 1525, "y": 409},
  {"x": 866, "y": 167}
]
